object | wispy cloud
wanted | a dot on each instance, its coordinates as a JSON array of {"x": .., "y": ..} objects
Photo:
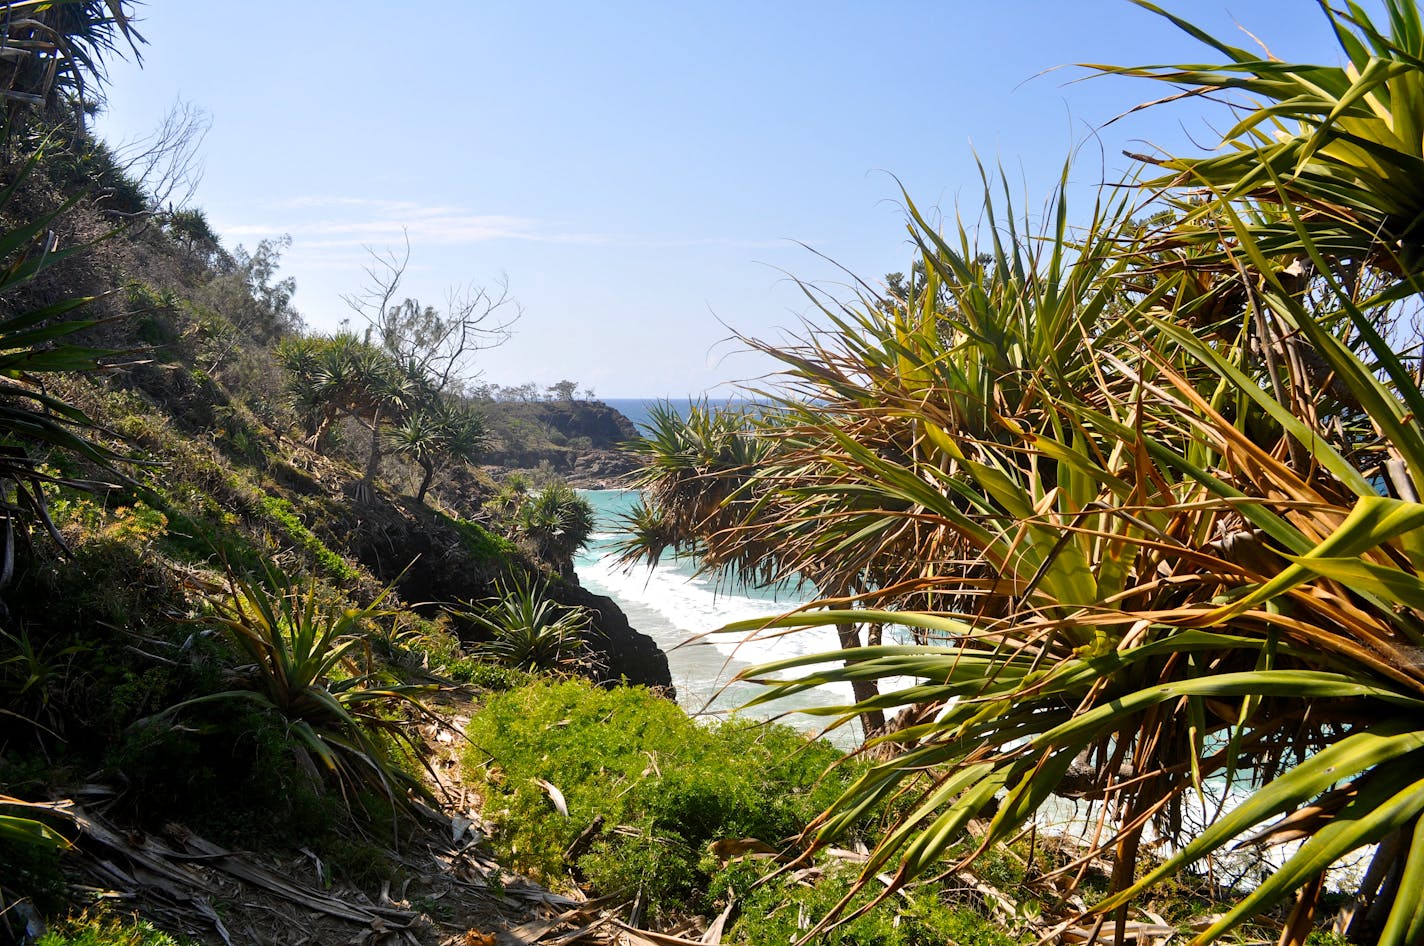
[{"x": 319, "y": 222}]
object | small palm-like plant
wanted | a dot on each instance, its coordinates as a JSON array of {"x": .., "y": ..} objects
[
  {"x": 306, "y": 665},
  {"x": 557, "y": 521},
  {"x": 434, "y": 432},
  {"x": 695, "y": 469},
  {"x": 528, "y": 630}
]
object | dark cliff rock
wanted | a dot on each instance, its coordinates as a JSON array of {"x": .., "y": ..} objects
[
  {"x": 457, "y": 561},
  {"x": 629, "y": 654},
  {"x": 601, "y": 469}
]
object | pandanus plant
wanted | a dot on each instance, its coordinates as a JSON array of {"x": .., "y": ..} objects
[
  {"x": 1182, "y": 601},
  {"x": 308, "y": 662},
  {"x": 1182, "y": 567},
  {"x": 1176, "y": 568},
  {"x": 1343, "y": 145},
  {"x": 1148, "y": 498}
]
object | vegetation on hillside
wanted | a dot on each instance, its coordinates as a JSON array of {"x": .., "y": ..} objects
[
  {"x": 206, "y": 632},
  {"x": 624, "y": 794}
]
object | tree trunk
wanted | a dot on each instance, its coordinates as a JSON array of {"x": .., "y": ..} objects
[
  {"x": 373, "y": 459},
  {"x": 872, "y": 720},
  {"x": 425, "y": 479},
  {"x": 323, "y": 427}
]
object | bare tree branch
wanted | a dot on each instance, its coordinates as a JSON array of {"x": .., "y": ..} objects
[
  {"x": 166, "y": 163},
  {"x": 440, "y": 344}
]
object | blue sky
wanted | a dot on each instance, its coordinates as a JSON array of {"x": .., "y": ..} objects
[{"x": 644, "y": 174}]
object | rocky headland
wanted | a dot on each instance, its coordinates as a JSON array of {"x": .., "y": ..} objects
[{"x": 579, "y": 441}]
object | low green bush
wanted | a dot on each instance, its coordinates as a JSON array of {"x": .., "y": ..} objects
[
  {"x": 665, "y": 785},
  {"x": 485, "y": 675},
  {"x": 778, "y": 911},
  {"x": 100, "y": 930}
]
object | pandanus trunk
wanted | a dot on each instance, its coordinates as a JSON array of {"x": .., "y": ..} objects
[
  {"x": 872, "y": 720},
  {"x": 428, "y": 475},
  {"x": 373, "y": 459}
]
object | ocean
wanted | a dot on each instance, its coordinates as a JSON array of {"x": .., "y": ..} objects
[
  {"x": 681, "y": 609},
  {"x": 637, "y": 409}
]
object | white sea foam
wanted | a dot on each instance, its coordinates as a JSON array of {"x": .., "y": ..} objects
[
  {"x": 692, "y": 608},
  {"x": 682, "y": 610}
]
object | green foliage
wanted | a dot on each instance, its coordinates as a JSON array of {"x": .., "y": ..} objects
[
  {"x": 485, "y": 675},
  {"x": 557, "y": 521},
  {"x": 157, "y": 332},
  {"x": 1334, "y": 146},
  {"x": 191, "y": 229},
  {"x": 694, "y": 472},
  {"x": 484, "y": 546},
  {"x": 232, "y": 769},
  {"x": 438, "y": 430},
  {"x": 339, "y": 710},
  {"x": 527, "y": 630},
  {"x": 283, "y": 513},
  {"x": 401, "y": 400},
  {"x": 264, "y": 307},
  {"x": 69, "y": 43},
  {"x": 777, "y": 912},
  {"x": 36, "y": 344},
  {"x": 643, "y": 765},
  {"x": 77, "y": 666},
  {"x": 143, "y": 298},
  {"x": 105, "y": 930},
  {"x": 30, "y": 850}
]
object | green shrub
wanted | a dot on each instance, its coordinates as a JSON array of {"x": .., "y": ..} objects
[
  {"x": 101, "y": 930},
  {"x": 776, "y": 912},
  {"x": 98, "y": 641},
  {"x": 304, "y": 663},
  {"x": 669, "y": 785},
  {"x": 528, "y": 630},
  {"x": 486, "y": 676}
]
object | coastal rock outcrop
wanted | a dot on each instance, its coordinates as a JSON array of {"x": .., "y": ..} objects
[
  {"x": 629, "y": 655},
  {"x": 578, "y": 440}
]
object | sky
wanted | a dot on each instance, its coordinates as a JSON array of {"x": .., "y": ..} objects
[{"x": 652, "y": 179}]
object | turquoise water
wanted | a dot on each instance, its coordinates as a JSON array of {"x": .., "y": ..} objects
[{"x": 680, "y": 609}]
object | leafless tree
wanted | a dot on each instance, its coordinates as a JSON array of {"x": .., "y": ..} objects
[
  {"x": 166, "y": 162},
  {"x": 441, "y": 343}
]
